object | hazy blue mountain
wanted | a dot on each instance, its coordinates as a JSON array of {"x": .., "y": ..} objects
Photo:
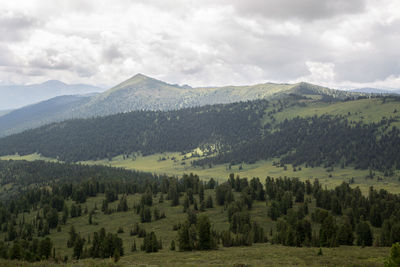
[
  {"x": 16, "y": 96},
  {"x": 4, "y": 112},
  {"x": 370, "y": 90},
  {"x": 35, "y": 115}
]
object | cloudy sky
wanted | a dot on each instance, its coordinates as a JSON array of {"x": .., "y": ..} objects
[{"x": 337, "y": 43}]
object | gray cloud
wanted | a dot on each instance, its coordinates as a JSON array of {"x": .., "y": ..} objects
[
  {"x": 295, "y": 9},
  {"x": 15, "y": 26},
  {"x": 112, "y": 53},
  {"x": 335, "y": 43}
]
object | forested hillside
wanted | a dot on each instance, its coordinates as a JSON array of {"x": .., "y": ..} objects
[
  {"x": 95, "y": 216},
  {"x": 145, "y": 131},
  {"x": 19, "y": 176},
  {"x": 231, "y": 133}
]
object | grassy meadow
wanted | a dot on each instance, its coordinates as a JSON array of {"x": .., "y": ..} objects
[
  {"x": 256, "y": 255},
  {"x": 365, "y": 110},
  {"x": 177, "y": 164}
]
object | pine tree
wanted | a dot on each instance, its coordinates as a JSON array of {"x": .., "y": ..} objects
[
  {"x": 204, "y": 233},
  {"x": 78, "y": 247},
  {"x": 345, "y": 234},
  {"x": 364, "y": 234},
  {"x": 172, "y": 245},
  {"x": 134, "y": 249}
]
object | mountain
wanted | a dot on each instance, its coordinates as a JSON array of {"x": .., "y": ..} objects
[
  {"x": 369, "y": 90},
  {"x": 144, "y": 93},
  {"x": 4, "y": 112},
  {"x": 35, "y": 115},
  {"x": 16, "y": 96}
]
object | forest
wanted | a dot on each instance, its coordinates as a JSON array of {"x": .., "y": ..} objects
[
  {"x": 325, "y": 140},
  {"x": 301, "y": 213}
]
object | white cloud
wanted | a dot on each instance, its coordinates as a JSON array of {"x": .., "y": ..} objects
[
  {"x": 320, "y": 72},
  {"x": 335, "y": 43}
]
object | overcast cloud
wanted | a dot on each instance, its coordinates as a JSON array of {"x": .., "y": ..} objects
[{"x": 337, "y": 43}]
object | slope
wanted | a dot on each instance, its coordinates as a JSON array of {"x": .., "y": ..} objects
[
  {"x": 144, "y": 93},
  {"x": 16, "y": 96},
  {"x": 35, "y": 115}
]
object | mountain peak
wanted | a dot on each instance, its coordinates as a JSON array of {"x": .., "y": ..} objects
[
  {"x": 53, "y": 83},
  {"x": 135, "y": 80}
]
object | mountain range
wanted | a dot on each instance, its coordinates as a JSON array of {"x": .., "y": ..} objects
[
  {"x": 17, "y": 96},
  {"x": 145, "y": 93}
]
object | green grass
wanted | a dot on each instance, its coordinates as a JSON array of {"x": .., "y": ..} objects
[
  {"x": 30, "y": 157},
  {"x": 365, "y": 110},
  {"x": 260, "y": 169},
  {"x": 256, "y": 255}
]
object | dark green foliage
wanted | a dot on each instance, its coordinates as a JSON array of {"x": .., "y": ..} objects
[
  {"x": 146, "y": 131},
  {"x": 375, "y": 216},
  {"x": 274, "y": 211},
  {"x": 39, "y": 173},
  {"x": 364, "y": 234},
  {"x": 191, "y": 216},
  {"x": 209, "y": 202},
  {"x": 145, "y": 214},
  {"x": 187, "y": 237},
  {"x": 394, "y": 259},
  {"x": 173, "y": 193},
  {"x": 172, "y": 245},
  {"x": 319, "y": 141},
  {"x": 223, "y": 193},
  {"x": 44, "y": 249},
  {"x": 150, "y": 243},
  {"x": 52, "y": 218},
  {"x": 123, "y": 204},
  {"x": 345, "y": 234},
  {"x": 395, "y": 233},
  {"x": 105, "y": 245},
  {"x": 328, "y": 232},
  {"x": 205, "y": 241},
  {"x": 134, "y": 248},
  {"x": 78, "y": 247},
  {"x": 72, "y": 237}
]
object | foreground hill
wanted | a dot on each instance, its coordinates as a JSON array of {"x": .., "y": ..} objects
[
  {"x": 70, "y": 213},
  {"x": 299, "y": 130},
  {"x": 144, "y": 93}
]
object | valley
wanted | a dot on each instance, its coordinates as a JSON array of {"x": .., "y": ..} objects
[{"x": 262, "y": 177}]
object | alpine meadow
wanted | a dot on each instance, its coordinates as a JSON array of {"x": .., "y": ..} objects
[{"x": 264, "y": 133}]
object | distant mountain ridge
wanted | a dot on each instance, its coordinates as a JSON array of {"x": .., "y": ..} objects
[
  {"x": 374, "y": 91},
  {"x": 55, "y": 109},
  {"x": 145, "y": 93},
  {"x": 17, "y": 96}
]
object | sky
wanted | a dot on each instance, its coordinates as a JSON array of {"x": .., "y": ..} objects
[{"x": 336, "y": 43}]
